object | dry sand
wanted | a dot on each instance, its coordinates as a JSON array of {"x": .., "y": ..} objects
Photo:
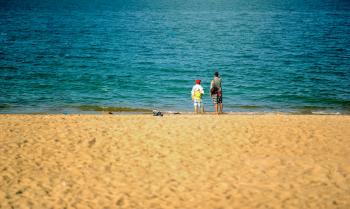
[{"x": 176, "y": 161}]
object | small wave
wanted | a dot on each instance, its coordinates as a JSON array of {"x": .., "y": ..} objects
[
  {"x": 5, "y": 106},
  {"x": 325, "y": 113},
  {"x": 111, "y": 109},
  {"x": 317, "y": 110},
  {"x": 250, "y": 107},
  {"x": 8, "y": 68}
]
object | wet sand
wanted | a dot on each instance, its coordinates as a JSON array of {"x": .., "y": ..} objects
[{"x": 175, "y": 161}]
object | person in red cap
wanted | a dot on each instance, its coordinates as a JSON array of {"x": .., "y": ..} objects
[{"x": 197, "y": 93}]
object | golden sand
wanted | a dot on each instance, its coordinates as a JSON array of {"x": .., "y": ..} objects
[{"x": 175, "y": 161}]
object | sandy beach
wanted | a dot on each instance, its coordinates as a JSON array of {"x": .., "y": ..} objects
[{"x": 175, "y": 161}]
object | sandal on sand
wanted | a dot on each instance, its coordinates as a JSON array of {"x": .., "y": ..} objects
[{"x": 157, "y": 113}]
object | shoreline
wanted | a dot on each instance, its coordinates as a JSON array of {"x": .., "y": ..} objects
[
  {"x": 95, "y": 109},
  {"x": 179, "y": 113}
]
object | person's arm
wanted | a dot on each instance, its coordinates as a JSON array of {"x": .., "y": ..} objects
[
  {"x": 220, "y": 84},
  {"x": 192, "y": 92}
]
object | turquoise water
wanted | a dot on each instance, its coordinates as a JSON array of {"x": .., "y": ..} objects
[{"x": 273, "y": 56}]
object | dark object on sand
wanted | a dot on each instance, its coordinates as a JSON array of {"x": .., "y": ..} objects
[{"x": 157, "y": 113}]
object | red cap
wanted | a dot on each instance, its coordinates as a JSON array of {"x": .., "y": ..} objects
[{"x": 198, "y": 81}]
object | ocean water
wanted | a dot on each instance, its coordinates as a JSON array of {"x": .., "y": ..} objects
[{"x": 273, "y": 56}]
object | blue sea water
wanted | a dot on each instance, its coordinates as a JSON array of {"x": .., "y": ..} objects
[{"x": 273, "y": 56}]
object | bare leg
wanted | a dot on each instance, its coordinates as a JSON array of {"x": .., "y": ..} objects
[
  {"x": 195, "y": 109},
  {"x": 202, "y": 109},
  {"x": 216, "y": 108},
  {"x": 220, "y": 107}
]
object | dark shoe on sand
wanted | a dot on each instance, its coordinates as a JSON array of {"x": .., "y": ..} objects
[{"x": 157, "y": 113}]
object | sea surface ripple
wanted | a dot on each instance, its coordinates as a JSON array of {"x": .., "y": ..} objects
[{"x": 62, "y": 58}]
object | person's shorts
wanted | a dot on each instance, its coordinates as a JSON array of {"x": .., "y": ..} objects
[
  {"x": 197, "y": 103},
  {"x": 216, "y": 99}
]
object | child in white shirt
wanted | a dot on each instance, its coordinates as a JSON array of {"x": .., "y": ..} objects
[{"x": 197, "y": 93}]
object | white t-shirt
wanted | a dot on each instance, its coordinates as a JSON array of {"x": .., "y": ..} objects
[{"x": 197, "y": 87}]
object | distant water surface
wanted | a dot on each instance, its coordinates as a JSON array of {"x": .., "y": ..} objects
[{"x": 284, "y": 56}]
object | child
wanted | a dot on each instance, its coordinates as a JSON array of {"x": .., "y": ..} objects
[{"x": 197, "y": 92}]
